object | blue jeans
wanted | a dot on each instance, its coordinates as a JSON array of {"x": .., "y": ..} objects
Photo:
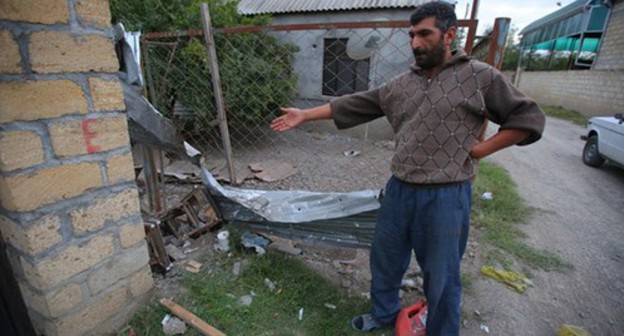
[{"x": 434, "y": 222}]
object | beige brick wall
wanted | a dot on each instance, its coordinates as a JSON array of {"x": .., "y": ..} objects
[
  {"x": 588, "y": 92},
  {"x": 107, "y": 95},
  {"x": 63, "y": 52},
  {"x": 10, "y": 59},
  {"x": 34, "y": 100},
  {"x": 120, "y": 168},
  {"x": 113, "y": 208},
  {"x": 20, "y": 149},
  {"x": 88, "y": 136},
  {"x": 27, "y": 191},
  {"x": 69, "y": 211},
  {"x": 35, "y": 11},
  {"x": 36, "y": 237},
  {"x": 93, "y": 12},
  {"x": 76, "y": 258}
]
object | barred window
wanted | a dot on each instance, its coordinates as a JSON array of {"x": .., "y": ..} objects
[{"x": 341, "y": 74}]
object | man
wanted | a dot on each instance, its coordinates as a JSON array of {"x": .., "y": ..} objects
[{"x": 437, "y": 111}]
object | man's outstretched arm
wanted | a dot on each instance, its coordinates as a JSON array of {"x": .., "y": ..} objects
[{"x": 293, "y": 117}]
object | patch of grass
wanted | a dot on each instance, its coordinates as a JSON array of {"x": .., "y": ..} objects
[
  {"x": 500, "y": 217},
  {"x": 214, "y": 295},
  {"x": 565, "y": 114}
]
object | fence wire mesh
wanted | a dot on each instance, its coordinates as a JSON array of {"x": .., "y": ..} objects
[{"x": 267, "y": 69}]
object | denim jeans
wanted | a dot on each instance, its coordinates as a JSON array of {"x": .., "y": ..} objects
[{"x": 434, "y": 223}]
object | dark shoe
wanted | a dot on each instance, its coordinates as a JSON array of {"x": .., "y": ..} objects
[{"x": 364, "y": 323}]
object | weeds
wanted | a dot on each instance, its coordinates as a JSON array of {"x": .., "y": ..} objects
[{"x": 500, "y": 217}]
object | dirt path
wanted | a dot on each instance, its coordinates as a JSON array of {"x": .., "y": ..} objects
[{"x": 580, "y": 216}]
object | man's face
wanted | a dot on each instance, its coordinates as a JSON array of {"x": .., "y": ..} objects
[{"x": 428, "y": 44}]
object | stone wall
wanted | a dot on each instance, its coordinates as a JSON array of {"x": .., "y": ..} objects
[
  {"x": 69, "y": 205},
  {"x": 588, "y": 92}
]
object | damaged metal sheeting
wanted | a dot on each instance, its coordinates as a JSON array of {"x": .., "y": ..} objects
[{"x": 345, "y": 218}]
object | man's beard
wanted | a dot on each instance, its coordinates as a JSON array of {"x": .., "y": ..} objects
[{"x": 433, "y": 57}]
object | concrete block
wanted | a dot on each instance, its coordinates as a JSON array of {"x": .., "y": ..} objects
[
  {"x": 35, "y": 11},
  {"x": 93, "y": 12},
  {"x": 10, "y": 59},
  {"x": 26, "y": 192},
  {"x": 120, "y": 168},
  {"x": 47, "y": 272},
  {"x": 119, "y": 267},
  {"x": 99, "y": 310},
  {"x": 88, "y": 136},
  {"x": 141, "y": 283},
  {"x": 34, "y": 100},
  {"x": 107, "y": 95},
  {"x": 34, "y": 238},
  {"x": 20, "y": 149},
  {"x": 113, "y": 208},
  {"x": 58, "y": 52},
  {"x": 130, "y": 234}
]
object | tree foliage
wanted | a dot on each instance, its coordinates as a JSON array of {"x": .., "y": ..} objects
[{"x": 256, "y": 70}]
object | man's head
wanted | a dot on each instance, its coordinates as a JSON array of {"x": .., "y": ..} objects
[{"x": 433, "y": 27}]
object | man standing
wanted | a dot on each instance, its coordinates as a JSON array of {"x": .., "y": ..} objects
[{"x": 437, "y": 111}]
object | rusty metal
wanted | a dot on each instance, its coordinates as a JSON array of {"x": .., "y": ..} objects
[
  {"x": 293, "y": 27},
  {"x": 472, "y": 28},
  {"x": 498, "y": 42},
  {"x": 156, "y": 247},
  {"x": 151, "y": 178}
]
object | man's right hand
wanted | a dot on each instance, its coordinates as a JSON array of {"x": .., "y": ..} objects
[{"x": 292, "y": 118}]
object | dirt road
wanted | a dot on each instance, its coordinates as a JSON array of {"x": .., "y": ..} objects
[{"x": 579, "y": 216}]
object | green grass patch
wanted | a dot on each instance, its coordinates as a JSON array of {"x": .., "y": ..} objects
[
  {"x": 214, "y": 296},
  {"x": 500, "y": 217},
  {"x": 565, "y": 114}
]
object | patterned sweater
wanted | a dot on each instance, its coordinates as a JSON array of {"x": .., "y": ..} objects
[{"x": 436, "y": 121}]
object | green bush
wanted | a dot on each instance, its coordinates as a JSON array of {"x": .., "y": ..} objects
[{"x": 256, "y": 70}]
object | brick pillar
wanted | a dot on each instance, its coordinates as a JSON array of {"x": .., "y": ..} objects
[{"x": 69, "y": 205}]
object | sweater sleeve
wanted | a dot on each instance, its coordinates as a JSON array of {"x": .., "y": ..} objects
[
  {"x": 355, "y": 109},
  {"x": 512, "y": 109}
]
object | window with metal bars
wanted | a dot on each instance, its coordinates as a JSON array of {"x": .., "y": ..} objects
[{"x": 341, "y": 74}]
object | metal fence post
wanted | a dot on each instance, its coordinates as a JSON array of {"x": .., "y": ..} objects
[{"x": 218, "y": 94}]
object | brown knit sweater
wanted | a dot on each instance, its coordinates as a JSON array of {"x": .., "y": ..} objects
[{"x": 436, "y": 121}]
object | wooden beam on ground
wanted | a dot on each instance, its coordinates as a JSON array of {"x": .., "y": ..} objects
[{"x": 191, "y": 318}]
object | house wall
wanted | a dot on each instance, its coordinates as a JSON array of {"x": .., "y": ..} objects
[
  {"x": 588, "y": 92},
  {"x": 611, "y": 56},
  {"x": 392, "y": 59},
  {"x": 599, "y": 91},
  {"x": 69, "y": 205}
]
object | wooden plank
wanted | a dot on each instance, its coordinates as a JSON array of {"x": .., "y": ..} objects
[
  {"x": 218, "y": 93},
  {"x": 191, "y": 318}
]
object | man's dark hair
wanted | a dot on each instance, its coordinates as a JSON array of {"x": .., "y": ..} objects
[{"x": 443, "y": 12}]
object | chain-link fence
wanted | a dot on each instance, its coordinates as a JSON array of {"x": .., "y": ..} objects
[{"x": 264, "y": 68}]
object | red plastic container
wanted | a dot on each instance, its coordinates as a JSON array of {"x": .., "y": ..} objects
[{"x": 412, "y": 320}]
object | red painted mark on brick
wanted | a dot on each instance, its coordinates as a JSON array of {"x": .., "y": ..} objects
[{"x": 89, "y": 135}]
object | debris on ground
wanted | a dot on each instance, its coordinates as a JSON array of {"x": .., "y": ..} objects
[
  {"x": 487, "y": 196},
  {"x": 255, "y": 241},
  {"x": 174, "y": 252},
  {"x": 351, "y": 153},
  {"x": 223, "y": 241},
  {"x": 272, "y": 170},
  {"x": 300, "y": 314},
  {"x": 193, "y": 266},
  {"x": 182, "y": 171},
  {"x": 173, "y": 325},
  {"x": 191, "y": 318},
  {"x": 514, "y": 280},
  {"x": 245, "y": 300},
  {"x": 485, "y": 328},
  {"x": 572, "y": 330},
  {"x": 330, "y": 306},
  {"x": 270, "y": 285}
]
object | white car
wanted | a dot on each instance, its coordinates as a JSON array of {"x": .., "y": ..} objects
[{"x": 604, "y": 141}]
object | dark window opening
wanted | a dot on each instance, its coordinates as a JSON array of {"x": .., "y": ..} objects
[{"x": 341, "y": 74}]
